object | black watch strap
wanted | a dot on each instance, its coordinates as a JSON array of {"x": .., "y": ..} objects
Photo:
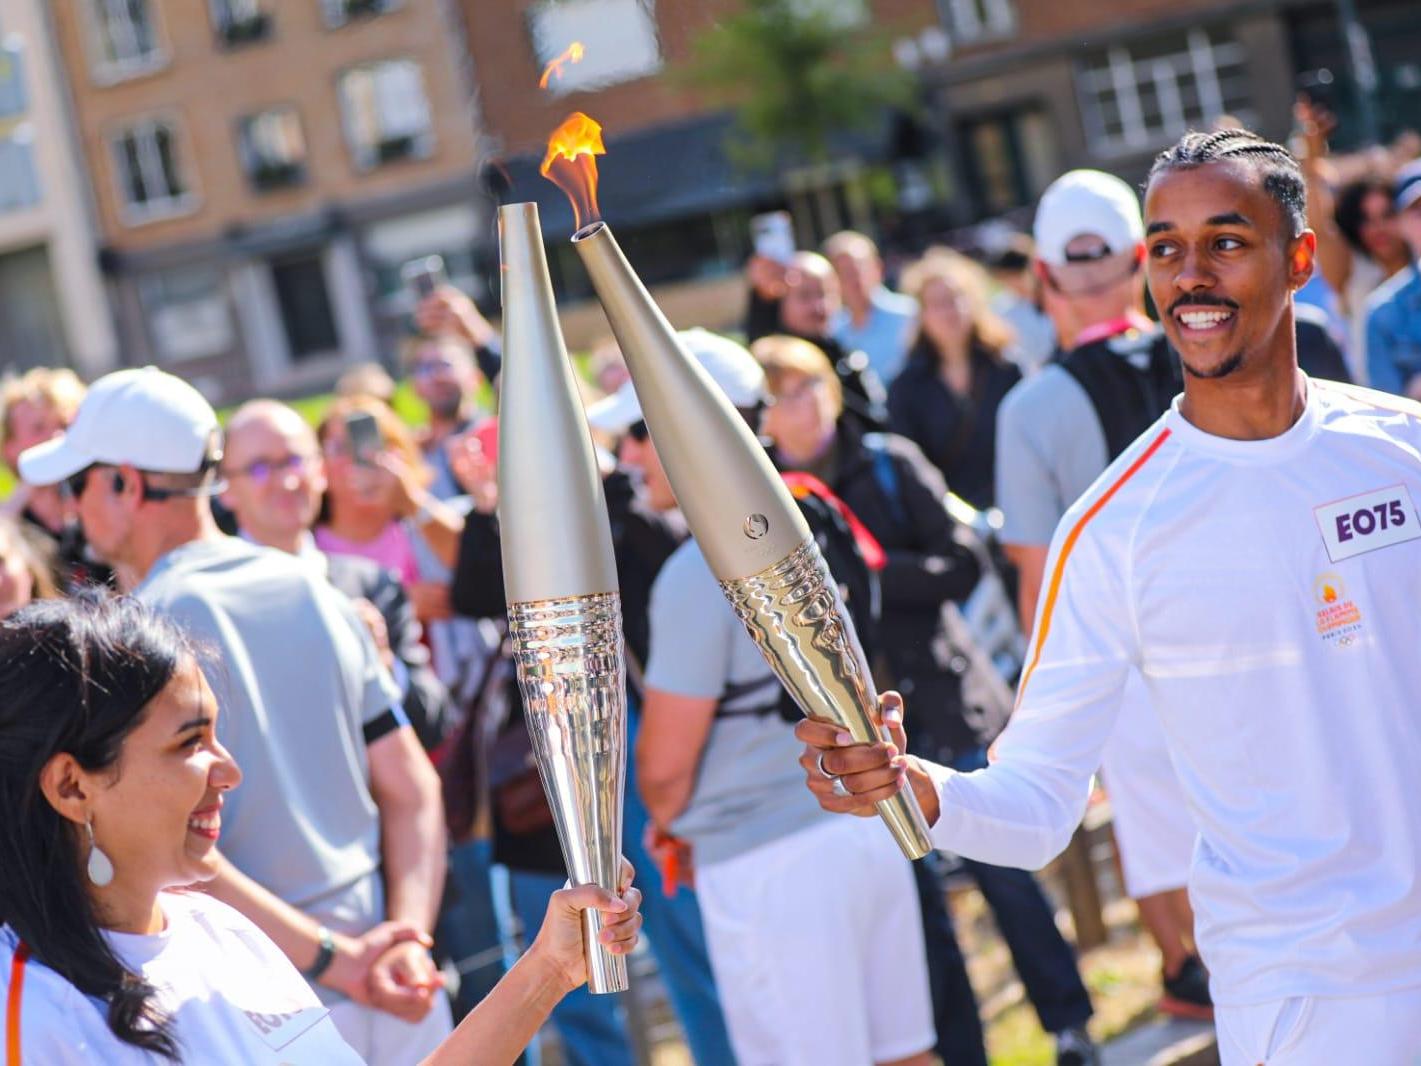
[{"x": 324, "y": 956}]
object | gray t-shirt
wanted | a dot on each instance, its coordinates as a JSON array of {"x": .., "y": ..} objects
[
  {"x": 1050, "y": 449},
  {"x": 297, "y": 680},
  {"x": 749, "y": 786}
]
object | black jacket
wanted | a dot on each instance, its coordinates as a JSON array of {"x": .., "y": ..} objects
[
  {"x": 642, "y": 540},
  {"x": 930, "y": 560},
  {"x": 957, "y": 434},
  {"x": 427, "y": 703}
]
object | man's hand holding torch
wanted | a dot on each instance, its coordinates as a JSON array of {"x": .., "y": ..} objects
[{"x": 849, "y": 778}]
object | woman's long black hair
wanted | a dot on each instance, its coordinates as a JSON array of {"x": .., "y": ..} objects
[{"x": 75, "y": 677}]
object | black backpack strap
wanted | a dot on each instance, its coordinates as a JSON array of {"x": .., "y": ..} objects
[
  {"x": 735, "y": 690},
  {"x": 1127, "y": 398}
]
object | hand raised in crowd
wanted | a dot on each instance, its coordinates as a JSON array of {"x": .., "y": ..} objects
[
  {"x": 404, "y": 981},
  {"x": 474, "y": 469},
  {"x": 375, "y": 623},
  {"x": 1316, "y": 124},
  {"x": 767, "y": 277},
  {"x": 559, "y": 942},
  {"x": 349, "y": 971},
  {"x": 431, "y": 600},
  {"x": 448, "y": 312},
  {"x": 871, "y": 773}
]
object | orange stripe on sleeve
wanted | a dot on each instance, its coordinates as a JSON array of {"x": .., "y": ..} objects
[
  {"x": 12, "y": 1007},
  {"x": 1052, "y": 590}
]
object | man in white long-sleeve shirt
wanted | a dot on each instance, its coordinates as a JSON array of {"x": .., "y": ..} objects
[{"x": 1256, "y": 554}]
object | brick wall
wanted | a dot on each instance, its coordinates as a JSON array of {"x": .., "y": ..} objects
[{"x": 208, "y": 89}]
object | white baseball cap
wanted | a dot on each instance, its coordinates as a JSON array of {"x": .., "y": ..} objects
[
  {"x": 1087, "y": 202},
  {"x": 1407, "y": 189},
  {"x": 729, "y": 365},
  {"x": 144, "y": 418}
]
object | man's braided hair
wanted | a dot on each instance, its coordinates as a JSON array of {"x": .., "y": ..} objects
[{"x": 1282, "y": 177}]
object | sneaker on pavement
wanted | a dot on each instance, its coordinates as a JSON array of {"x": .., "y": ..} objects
[
  {"x": 1074, "y": 1047},
  {"x": 1186, "y": 994}
]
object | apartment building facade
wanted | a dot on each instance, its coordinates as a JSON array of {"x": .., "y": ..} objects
[
  {"x": 262, "y": 170},
  {"x": 1031, "y": 89},
  {"x": 53, "y": 308}
]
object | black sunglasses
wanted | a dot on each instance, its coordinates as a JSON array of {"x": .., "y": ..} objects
[{"x": 73, "y": 486}]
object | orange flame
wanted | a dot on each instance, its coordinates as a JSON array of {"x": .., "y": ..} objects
[
  {"x": 571, "y": 54},
  {"x": 571, "y": 163}
]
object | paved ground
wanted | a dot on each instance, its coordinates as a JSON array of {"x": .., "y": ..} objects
[{"x": 1164, "y": 1043}]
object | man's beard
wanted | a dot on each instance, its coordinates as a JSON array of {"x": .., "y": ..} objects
[
  {"x": 1223, "y": 370},
  {"x": 446, "y": 407}
]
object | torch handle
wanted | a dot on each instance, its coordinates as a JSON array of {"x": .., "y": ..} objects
[
  {"x": 605, "y": 972},
  {"x": 795, "y": 615},
  {"x": 568, "y": 654}
]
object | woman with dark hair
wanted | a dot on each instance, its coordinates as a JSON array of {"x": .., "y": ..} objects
[
  {"x": 946, "y": 398},
  {"x": 112, "y": 782}
]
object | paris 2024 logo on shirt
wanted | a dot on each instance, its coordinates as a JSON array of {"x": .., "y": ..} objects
[{"x": 1339, "y": 619}]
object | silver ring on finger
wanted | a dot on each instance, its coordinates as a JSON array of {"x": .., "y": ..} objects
[
  {"x": 819, "y": 765},
  {"x": 839, "y": 788}
]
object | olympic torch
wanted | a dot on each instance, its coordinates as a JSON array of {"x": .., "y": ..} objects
[
  {"x": 752, "y": 534},
  {"x": 564, "y": 611}
]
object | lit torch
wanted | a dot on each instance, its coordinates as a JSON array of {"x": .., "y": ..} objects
[
  {"x": 752, "y": 534},
  {"x": 564, "y": 612}
]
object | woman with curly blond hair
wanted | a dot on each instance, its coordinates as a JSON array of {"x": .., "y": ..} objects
[{"x": 957, "y": 373}]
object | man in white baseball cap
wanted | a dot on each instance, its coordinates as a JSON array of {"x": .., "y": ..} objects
[
  {"x": 336, "y": 846},
  {"x": 158, "y": 438}
]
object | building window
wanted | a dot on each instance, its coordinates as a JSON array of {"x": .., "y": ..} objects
[
  {"x": 339, "y": 12},
  {"x": 305, "y": 306},
  {"x": 188, "y": 314},
  {"x": 970, "y": 21},
  {"x": 150, "y": 179},
  {"x": 14, "y": 100},
  {"x": 386, "y": 112},
  {"x": 239, "y": 22},
  {"x": 1146, "y": 94},
  {"x": 619, "y": 39},
  {"x": 273, "y": 149},
  {"x": 19, "y": 182},
  {"x": 125, "y": 38}
]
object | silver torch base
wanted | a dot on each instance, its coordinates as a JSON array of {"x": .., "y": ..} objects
[
  {"x": 794, "y": 613},
  {"x": 568, "y": 653}
]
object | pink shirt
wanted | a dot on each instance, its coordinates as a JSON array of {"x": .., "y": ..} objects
[{"x": 392, "y": 549}]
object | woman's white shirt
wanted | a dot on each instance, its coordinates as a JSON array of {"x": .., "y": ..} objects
[{"x": 232, "y": 996}]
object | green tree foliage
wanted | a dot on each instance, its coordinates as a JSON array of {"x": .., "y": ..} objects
[{"x": 796, "y": 72}]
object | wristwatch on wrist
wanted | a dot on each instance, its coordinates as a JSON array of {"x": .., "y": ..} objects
[{"x": 324, "y": 956}]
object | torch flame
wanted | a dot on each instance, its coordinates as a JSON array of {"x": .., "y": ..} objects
[
  {"x": 571, "y": 54},
  {"x": 571, "y": 163}
]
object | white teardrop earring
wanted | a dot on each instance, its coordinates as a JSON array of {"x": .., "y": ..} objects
[{"x": 100, "y": 867}]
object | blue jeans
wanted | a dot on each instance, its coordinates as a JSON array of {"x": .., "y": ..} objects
[
  {"x": 955, "y": 1016},
  {"x": 678, "y": 941},
  {"x": 469, "y": 931},
  {"x": 593, "y": 1028},
  {"x": 1044, "y": 961}
]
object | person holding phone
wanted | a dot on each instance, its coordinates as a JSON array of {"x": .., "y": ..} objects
[{"x": 378, "y": 504}]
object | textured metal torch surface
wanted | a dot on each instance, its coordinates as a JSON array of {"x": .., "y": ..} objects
[
  {"x": 568, "y": 653},
  {"x": 794, "y": 613}
]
